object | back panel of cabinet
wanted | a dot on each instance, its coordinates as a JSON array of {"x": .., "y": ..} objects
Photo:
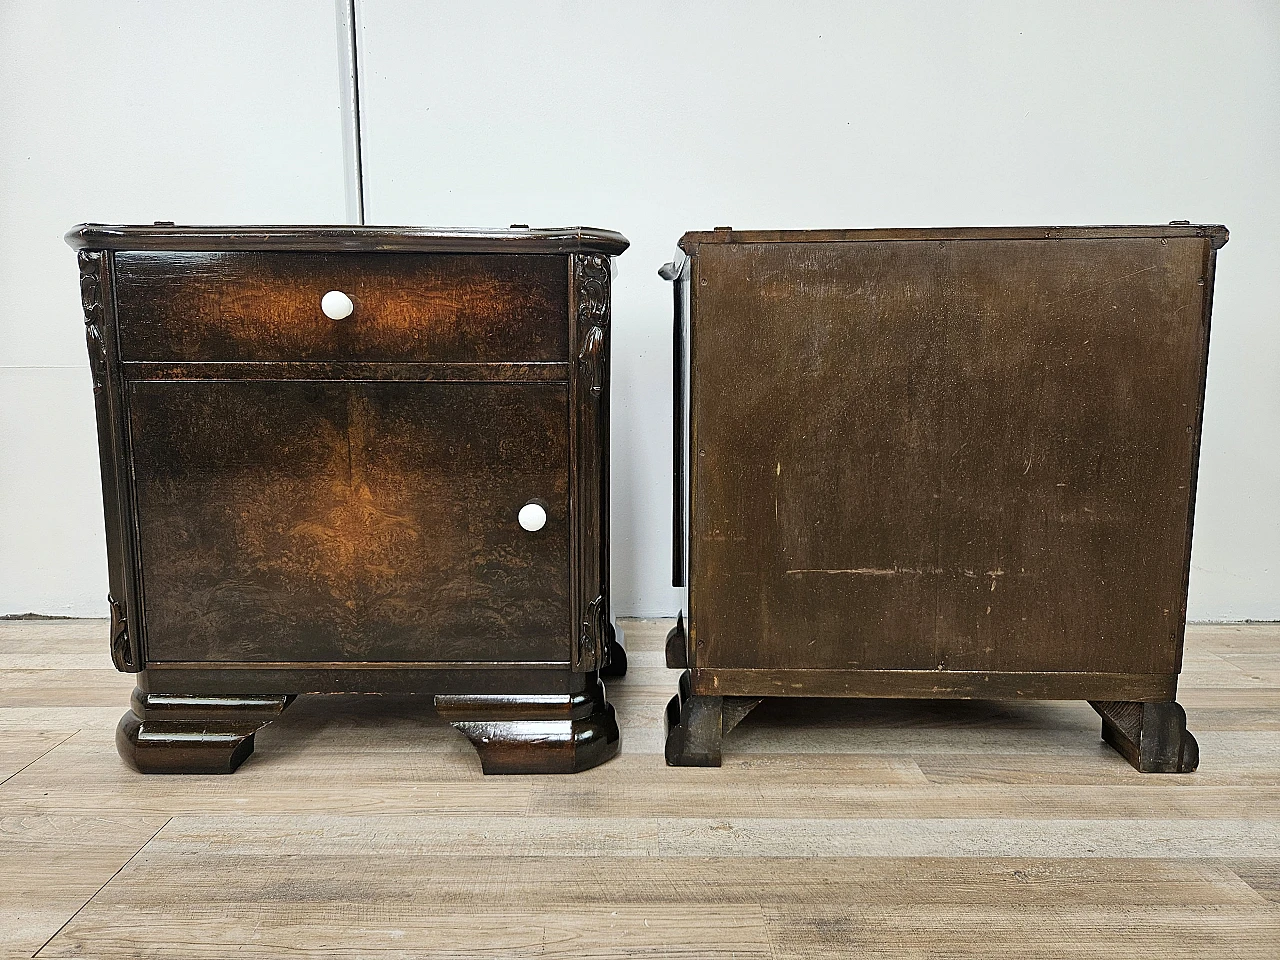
[{"x": 965, "y": 455}]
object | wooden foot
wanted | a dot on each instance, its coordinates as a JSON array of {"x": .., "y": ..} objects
[
  {"x": 677, "y": 647},
  {"x": 615, "y": 656},
  {"x": 536, "y": 733},
  {"x": 1151, "y": 736},
  {"x": 170, "y": 733},
  {"x": 696, "y": 725}
]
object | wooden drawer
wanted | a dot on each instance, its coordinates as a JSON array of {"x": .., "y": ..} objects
[{"x": 408, "y": 307}]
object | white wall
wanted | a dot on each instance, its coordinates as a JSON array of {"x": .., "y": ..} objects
[
  {"x": 651, "y": 119},
  {"x": 129, "y": 112}
]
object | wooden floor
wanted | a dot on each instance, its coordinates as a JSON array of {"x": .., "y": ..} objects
[{"x": 362, "y": 827}]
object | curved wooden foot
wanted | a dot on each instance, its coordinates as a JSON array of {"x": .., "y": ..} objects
[
  {"x": 536, "y": 733},
  {"x": 677, "y": 646},
  {"x": 1151, "y": 736},
  {"x": 615, "y": 656},
  {"x": 696, "y": 725},
  {"x": 170, "y": 733}
]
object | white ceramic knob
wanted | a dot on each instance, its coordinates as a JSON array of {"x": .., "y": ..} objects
[
  {"x": 336, "y": 305},
  {"x": 533, "y": 517}
]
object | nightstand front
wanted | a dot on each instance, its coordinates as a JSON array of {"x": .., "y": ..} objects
[{"x": 355, "y": 459}]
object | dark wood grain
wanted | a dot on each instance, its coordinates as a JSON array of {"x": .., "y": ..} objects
[
  {"x": 697, "y": 723},
  {"x": 366, "y": 521},
  {"x": 978, "y": 456},
  {"x": 546, "y": 734},
  {"x": 951, "y": 463},
  {"x": 347, "y": 237},
  {"x": 342, "y": 370},
  {"x": 113, "y": 456},
  {"x": 936, "y": 684},
  {"x": 163, "y": 733},
  {"x": 297, "y": 504},
  {"x": 450, "y": 308},
  {"x": 589, "y": 381},
  {"x": 1215, "y": 233},
  {"x": 1151, "y": 736}
]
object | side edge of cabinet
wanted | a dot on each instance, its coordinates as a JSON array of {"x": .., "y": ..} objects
[
  {"x": 589, "y": 315},
  {"x": 124, "y": 589},
  {"x": 1211, "y": 247},
  {"x": 692, "y": 569}
]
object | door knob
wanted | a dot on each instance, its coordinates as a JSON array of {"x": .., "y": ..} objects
[
  {"x": 533, "y": 517},
  {"x": 336, "y": 305}
]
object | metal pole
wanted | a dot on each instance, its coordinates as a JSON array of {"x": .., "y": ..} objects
[{"x": 349, "y": 82}]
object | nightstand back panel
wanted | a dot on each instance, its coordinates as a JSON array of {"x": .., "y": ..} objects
[{"x": 966, "y": 456}]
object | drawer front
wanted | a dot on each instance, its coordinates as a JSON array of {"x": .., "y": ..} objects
[
  {"x": 451, "y": 308},
  {"x": 324, "y": 522}
]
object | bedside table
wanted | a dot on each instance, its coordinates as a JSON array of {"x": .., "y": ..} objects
[
  {"x": 355, "y": 459},
  {"x": 954, "y": 463}
]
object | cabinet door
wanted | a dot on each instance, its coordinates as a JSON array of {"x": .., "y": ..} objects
[{"x": 328, "y": 521}]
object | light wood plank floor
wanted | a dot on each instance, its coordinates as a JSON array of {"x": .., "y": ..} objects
[{"x": 362, "y": 827}]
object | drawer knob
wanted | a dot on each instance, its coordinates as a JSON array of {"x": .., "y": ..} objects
[
  {"x": 336, "y": 305},
  {"x": 533, "y": 517}
]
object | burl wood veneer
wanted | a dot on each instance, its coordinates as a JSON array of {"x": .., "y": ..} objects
[
  {"x": 939, "y": 463},
  {"x": 298, "y": 502}
]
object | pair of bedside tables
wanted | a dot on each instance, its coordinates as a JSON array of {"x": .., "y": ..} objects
[{"x": 909, "y": 463}]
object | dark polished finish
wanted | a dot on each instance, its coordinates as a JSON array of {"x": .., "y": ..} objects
[
  {"x": 616, "y": 661},
  {"x": 676, "y": 646},
  {"x": 391, "y": 507},
  {"x": 164, "y": 733},
  {"x": 299, "y": 500},
  {"x": 536, "y": 734},
  {"x": 941, "y": 463},
  {"x": 261, "y": 307},
  {"x": 347, "y": 238}
]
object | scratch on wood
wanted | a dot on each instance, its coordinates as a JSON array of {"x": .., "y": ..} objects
[
  {"x": 874, "y": 571},
  {"x": 893, "y": 572},
  {"x": 1102, "y": 286}
]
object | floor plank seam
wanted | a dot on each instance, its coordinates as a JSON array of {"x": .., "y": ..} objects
[
  {"x": 880, "y": 829},
  {"x": 39, "y": 758},
  {"x": 101, "y": 888}
]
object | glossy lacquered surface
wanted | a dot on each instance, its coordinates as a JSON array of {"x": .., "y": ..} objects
[
  {"x": 355, "y": 460},
  {"x": 265, "y": 306},
  {"x": 346, "y": 237}
]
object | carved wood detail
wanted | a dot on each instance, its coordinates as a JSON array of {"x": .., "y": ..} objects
[
  {"x": 90, "y": 262},
  {"x": 591, "y": 272},
  {"x": 591, "y": 275}
]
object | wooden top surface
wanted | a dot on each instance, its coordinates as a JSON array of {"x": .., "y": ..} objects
[
  {"x": 348, "y": 238},
  {"x": 1216, "y": 232}
]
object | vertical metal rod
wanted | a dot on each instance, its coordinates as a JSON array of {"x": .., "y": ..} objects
[{"x": 349, "y": 97}]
